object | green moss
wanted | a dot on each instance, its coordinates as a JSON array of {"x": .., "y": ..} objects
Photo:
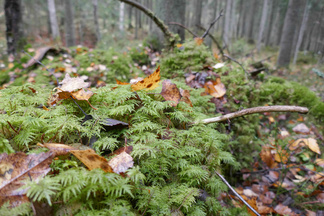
[{"x": 188, "y": 57}]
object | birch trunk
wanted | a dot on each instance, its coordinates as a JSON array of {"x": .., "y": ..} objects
[
  {"x": 53, "y": 20},
  {"x": 69, "y": 24},
  {"x": 95, "y": 18},
  {"x": 121, "y": 17}
]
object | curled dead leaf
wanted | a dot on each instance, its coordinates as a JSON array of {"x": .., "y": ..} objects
[{"x": 170, "y": 92}]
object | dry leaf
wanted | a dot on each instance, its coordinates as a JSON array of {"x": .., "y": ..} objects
[
  {"x": 57, "y": 148},
  {"x": 148, "y": 83},
  {"x": 319, "y": 162},
  {"x": 185, "y": 96},
  {"x": 283, "y": 210},
  {"x": 249, "y": 193},
  {"x": 83, "y": 95},
  {"x": 217, "y": 90},
  {"x": 92, "y": 160},
  {"x": 170, "y": 92},
  {"x": 121, "y": 163},
  {"x": 121, "y": 83},
  {"x": 301, "y": 128},
  {"x": 71, "y": 84},
  {"x": 281, "y": 156},
  {"x": 199, "y": 40},
  {"x": 18, "y": 167},
  {"x": 266, "y": 156},
  {"x": 312, "y": 145}
]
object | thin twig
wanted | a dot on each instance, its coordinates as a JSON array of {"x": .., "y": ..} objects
[
  {"x": 182, "y": 26},
  {"x": 311, "y": 202},
  {"x": 234, "y": 60},
  {"x": 12, "y": 127},
  {"x": 78, "y": 106},
  {"x": 254, "y": 110},
  {"x": 212, "y": 23},
  {"x": 185, "y": 200},
  {"x": 232, "y": 189}
]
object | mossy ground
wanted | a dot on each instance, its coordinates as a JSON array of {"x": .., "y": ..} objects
[{"x": 174, "y": 161}]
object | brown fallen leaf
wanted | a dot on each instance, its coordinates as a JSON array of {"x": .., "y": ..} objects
[
  {"x": 199, "y": 40},
  {"x": 121, "y": 163},
  {"x": 17, "y": 168},
  {"x": 92, "y": 160},
  {"x": 283, "y": 210},
  {"x": 266, "y": 156},
  {"x": 170, "y": 92},
  {"x": 83, "y": 95},
  {"x": 185, "y": 96},
  {"x": 217, "y": 90}
]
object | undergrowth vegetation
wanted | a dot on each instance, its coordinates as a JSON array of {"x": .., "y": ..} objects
[{"x": 174, "y": 161}]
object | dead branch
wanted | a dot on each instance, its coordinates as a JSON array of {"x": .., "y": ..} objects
[
  {"x": 212, "y": 23},
  {"x": 182, "y": 26},
  {"x": 164, "y": 28},
  {"x": 214, "y": 40},
  {"x": 254, "y": 110},
  {"x": 236, "y": 194}
]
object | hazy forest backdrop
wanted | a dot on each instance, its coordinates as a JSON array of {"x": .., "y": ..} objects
[{"x": 161, "y": 107}]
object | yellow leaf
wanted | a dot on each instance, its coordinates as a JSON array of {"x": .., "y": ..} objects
[{"x": 150, "y": 82}]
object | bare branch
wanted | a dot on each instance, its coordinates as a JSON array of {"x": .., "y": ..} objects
[
  {"x": 236, "y": 194},
  {"x": 182, "y": 26},
  {"x": 214, "y": 40},
  {"x": 254, "y": 110},
  {"x": 164, "y": 28},
  {"x": 212, "y": 23}
]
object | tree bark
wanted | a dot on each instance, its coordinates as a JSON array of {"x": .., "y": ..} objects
[
  {"x": 121, "y": 17},
  {"x": 262, "y": 24},
  {"x": 251, "y": 16},
  {"x": 301, "y": 32},
  {"x": 197, "y": 14},
  {"x": 14, "y": 33},
  {"x": 289, "y": 27},
  {"x": 69, "y": 24},
  {"x": 53, "y": 21},
  {"x": 95, "y": 18},
  {"x": 130, "y": 11},
  {"x": 271, "y": 21},
  {"x": 226, "y": 31}
]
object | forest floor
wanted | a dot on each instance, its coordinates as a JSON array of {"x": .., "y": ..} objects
[{"x": 281, "y": 168}]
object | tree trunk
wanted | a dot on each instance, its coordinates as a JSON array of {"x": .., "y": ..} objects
[
  {"x": 240, "y": 20},
  {"x": 172, "y": 11},
  {"x": 69, "y": 24},
  {"x": 14, "y": 33},
  {"x": 121, "y": 17},
  {"x": 262, "y": 24},
  {"x": 289, "y": 27},
  {"x": 130, "y": 11},
  {"x": 271, "y": 21},
  {"x": 301, "y": 32},
  {"x": 226, "y": 31},
  {"x": 95, "y": 18},
  {"x": 197, "y": 14},
  {"x": 251, "y": 19},
  {"x": 53, "y": 21}
]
